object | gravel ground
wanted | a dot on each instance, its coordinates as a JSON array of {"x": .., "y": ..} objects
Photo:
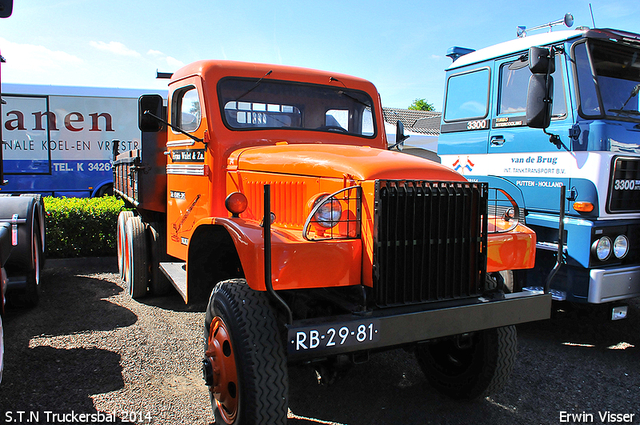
[{"x": 88, "y": 348}]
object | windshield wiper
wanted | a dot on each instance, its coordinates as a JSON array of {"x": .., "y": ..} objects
[
  {"x": 624, "y": 111},
  {"x": 254, "y": 86},
  {"x": 634, "y": 92}
]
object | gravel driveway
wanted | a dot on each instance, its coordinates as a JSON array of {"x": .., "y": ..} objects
[{"x": 89, "y": 349}]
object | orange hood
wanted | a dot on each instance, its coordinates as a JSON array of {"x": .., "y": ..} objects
[{"x": 339, "y": 161}]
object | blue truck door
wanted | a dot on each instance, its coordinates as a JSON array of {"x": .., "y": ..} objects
[
  {"x": 465, "y": 119},
  {"x": 524, "y": 155}
]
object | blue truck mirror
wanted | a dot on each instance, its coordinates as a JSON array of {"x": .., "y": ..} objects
[
  {"x": 541, "y": 60},
  {"x": 539, "y": 101}
]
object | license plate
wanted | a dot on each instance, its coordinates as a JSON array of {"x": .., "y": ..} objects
[{"x": 327, "y": 337}]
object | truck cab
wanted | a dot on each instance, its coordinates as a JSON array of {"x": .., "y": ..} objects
[
  {"x": 270, "y": 192},
  {"x": 590, "y": 146}
]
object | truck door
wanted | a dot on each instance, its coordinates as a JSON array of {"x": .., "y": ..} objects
[
  {"x": 521, "y": 154},
  {"x": 27, "y": 125},
  {"x": 465, "y": 120}
]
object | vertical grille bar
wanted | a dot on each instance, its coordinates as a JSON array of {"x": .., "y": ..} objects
[{"x": 429, "y": 241}]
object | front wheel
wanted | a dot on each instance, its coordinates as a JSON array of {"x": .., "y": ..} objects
[
  {"x": 136, "y": 261},
  {"x": 470, "y": 367},
  {"x": 245, "y": 365}
]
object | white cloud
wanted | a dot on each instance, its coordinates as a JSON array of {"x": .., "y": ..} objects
[
  {"x": 33, "y": 63},
  {"x": 175, "y": 63},
  {"x": 114, "y": 47},
  {"x": 163, "y": 60}
]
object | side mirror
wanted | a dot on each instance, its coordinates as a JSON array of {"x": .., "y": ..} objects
[
  {"x": 539, "y": 94},
  {"x": 150, "y": 110},
  {"x": 6, "y": 8},
  {"x": 541, "y": 60},
  {"x": 539, "y": 101},
  {"x": 400, "y": 136}
]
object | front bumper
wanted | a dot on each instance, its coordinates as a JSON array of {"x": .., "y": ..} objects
[
  {"x": 386, "y": 328},
  {"x": 614, "y": 284}
]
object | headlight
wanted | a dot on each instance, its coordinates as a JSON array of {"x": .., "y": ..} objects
[
  {"x": 329, "y": 213},
  {"x": 620, "y": 246},
  {"x": 602, "y": 248}
]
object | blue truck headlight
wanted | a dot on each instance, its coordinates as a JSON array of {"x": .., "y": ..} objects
[
  {"x": 601, "y": 248},
  {"x": 621, "y": 246}
]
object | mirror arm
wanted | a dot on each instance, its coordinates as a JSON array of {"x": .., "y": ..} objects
[{"x": 179, "y": 130}]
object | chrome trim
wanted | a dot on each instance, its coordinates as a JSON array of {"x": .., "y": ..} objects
[{"x": 186, "y": 169}]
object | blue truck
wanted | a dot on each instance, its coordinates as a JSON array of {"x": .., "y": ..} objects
[{"x": 549, "y": 110}]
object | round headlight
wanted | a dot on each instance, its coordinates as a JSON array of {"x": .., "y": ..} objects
[
  {"x": 620, "y": 246},
  {"x": 328, "y": 215},
  {"x": 602, "y": 248}
]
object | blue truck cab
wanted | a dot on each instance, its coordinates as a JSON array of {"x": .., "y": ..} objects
[{"x": 594, "y": 152}]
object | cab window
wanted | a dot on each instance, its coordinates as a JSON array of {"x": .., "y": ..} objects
[
  {"x": 467, "y": 96},
  {"x": 186, "y": 109},
  {"x": 514, "y": 81}
]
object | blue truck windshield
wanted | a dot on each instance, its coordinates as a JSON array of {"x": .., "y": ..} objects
[{"x": 608, "y": 80}]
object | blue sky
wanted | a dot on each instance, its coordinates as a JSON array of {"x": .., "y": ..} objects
[{"x": 399, "y": 45}]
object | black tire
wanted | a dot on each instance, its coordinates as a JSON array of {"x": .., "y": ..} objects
[
  {"x": 478, "y": 367},
  {"x": 1, "y": 347},
  {"x": 105, "y": 190},
  {"x": 158, "y": 283},
  {"x": 31, "y": 297},
  {"x": 121, "y": 240},
  {"x": 137, "y": 259},
  {"x": 242, "y": 343}
]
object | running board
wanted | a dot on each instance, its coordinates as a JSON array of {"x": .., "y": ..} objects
[{"x": 177, "y": 275}]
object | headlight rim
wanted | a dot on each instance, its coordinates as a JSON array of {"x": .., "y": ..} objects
[
  {"x": 626, "y": 250},
  {"x": 597, "y": 244}
]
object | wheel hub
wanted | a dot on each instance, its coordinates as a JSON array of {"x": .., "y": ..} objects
[{"x": 219, "y": 370}]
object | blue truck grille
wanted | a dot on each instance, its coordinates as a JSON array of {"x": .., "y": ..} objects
[
  {"x": 624, "y": 186},
  {"x": 430, "y": 241}
]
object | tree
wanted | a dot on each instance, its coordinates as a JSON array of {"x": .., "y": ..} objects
[{"x": 421, "y": 105}]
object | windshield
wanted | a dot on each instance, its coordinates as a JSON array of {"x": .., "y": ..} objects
[
  {"x": 608, "y": 79},
  {"x": 257, "y": 104}
]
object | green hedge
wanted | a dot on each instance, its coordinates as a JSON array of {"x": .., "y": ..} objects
[{"x": 81, "y": 227}]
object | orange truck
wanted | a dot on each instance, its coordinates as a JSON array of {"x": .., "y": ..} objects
[{"x": 272, "y": 191}]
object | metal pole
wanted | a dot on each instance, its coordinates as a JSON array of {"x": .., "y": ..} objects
[
  {"x": 267, "y": 253},
  {"x": 560, "y": 254}
]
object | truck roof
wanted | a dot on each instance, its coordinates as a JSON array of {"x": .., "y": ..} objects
[
  {"x": 217, "y": 69},
  {"x": 524, "y": 43},
  {"x": 51, "y": 90}
]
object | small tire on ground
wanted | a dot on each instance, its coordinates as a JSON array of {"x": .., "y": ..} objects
[
  {"x": 121, "y": 240},
  {"x": 242, "y": 339},
  {"x": 473, "y": 368},
  {"x": 137, "y": 260}
]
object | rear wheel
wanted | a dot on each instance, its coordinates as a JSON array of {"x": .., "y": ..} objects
[
  {"x": 466, "y": 368},
  {"x": 120, "y": 239},
  {"x": 1, "y": 348},
  {"x": 136, "y": 262},
  {"x": 245, "y": 365},
  {"x": 158, "y": 283},
  {"x": 31, "y": 295}
]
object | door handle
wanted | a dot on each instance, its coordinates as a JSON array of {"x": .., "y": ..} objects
[{"x": 497, "y": 140}]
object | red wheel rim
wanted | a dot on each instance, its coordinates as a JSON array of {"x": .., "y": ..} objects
[{"x": 225, "y": 376}]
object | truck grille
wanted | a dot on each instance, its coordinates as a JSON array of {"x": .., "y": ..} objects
[
  {"x": 624, "y": 188},
  {"x": 429, "y": 242}
]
